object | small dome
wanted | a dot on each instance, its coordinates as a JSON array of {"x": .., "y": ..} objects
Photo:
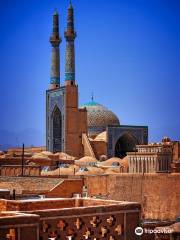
[
  {"x": 85, "y": 161},
  {"x": 64, "y": 156},
  {"x": 99, "y": 117},
  {"x": 91, "y": 171},
  {"x": 166, "y": 139},
  {"x": 61, "y": 171}
]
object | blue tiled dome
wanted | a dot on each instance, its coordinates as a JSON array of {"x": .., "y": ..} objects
[{"x": 99, "y": 117}]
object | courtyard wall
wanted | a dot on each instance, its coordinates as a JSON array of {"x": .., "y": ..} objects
[{"x": 158, "y": 193}]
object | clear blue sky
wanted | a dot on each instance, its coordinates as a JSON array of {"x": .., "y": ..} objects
[{"x": 127, "y": 52}]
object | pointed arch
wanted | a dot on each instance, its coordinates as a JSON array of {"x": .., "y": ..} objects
[
  {"x": 57, "y": 129},
  {"x": 126, "y": 143}
]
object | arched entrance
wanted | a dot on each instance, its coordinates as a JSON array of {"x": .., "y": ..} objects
[
  {"x": 126, "y": 143},
  {"x": 57, "y": 130}
]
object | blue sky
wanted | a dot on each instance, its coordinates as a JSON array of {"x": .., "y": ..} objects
[{"x": 127, "y": 53}]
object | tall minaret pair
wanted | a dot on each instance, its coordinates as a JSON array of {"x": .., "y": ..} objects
[{"x": 55, "y": 41}]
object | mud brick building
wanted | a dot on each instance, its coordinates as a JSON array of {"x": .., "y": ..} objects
[
  {"x": 74, "y": 219},
  {"x": 158, "y": 193},
  {"x": 155, "y": 157},
  {"x": 50, "y": 187}
]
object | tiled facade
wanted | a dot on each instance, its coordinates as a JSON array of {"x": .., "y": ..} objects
[
  {"x": 130, "y": 135},
  {"x": 65, "y": 122},
  {"x": 99, "y": 117}
]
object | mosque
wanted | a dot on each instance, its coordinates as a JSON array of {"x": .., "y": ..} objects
[{"x": 90, "y": 129}]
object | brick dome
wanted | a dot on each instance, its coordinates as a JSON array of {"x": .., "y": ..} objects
[{"x": 99, "y": 117}]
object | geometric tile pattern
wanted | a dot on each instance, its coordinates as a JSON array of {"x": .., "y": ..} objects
[
  {"x": 99, "y": 116},
  {"x": 70, "y": 36}
]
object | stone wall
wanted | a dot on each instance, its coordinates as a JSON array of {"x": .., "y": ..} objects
[{"x": 158, "y": 193}]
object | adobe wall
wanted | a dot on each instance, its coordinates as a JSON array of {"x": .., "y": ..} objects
[
  {"x": 29, "y": 150},
  {"x": 66, "y": 218},
  {"x": 34, "y": 185},
  {"x": 19, "y": 226},
  {"x": 66, "y": 188},
  {"x": 15, "y": 170},
  {"x": 176, "y": 151},
  {"x": 4, "y": 194},
  {"x": 76, "y": 123},
  {"x": 9, "y": 205},
  {"x": 99, "y": 148},
  {"x": 18, "y": 161},
  {"x": 158, "y": 193}
]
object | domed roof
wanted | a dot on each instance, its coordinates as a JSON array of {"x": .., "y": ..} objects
[{"x": 100, "y": 116}]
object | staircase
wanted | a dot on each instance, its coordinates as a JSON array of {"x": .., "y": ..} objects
[{"x": 88, "y": 151}]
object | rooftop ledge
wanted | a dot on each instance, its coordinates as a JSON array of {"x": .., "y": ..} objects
[{"x": 66, "y": 204}]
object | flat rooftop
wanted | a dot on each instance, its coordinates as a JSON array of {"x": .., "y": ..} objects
[{"x": 62, "y": 203}]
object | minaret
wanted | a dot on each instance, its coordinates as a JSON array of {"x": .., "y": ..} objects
[
  {"x": 55, "y": 40},
  {"x": 70, "y": 36}
]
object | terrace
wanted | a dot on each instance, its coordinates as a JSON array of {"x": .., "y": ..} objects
[{"x": 68, "y": 219}]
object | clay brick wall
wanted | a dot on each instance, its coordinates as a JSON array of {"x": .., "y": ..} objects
[
  {"x": 158, "y": 193},
  {"x": 18, "y": 161},
  {"x": 29, "y": 150},
  {"x": 92, "y": 222},
  {"x": 66, "y": 188},
  {"x": 12, "y": 161},
  {"x": 99, "y": 148},
  {"x": 76, "y": 122},
  {"x": 15, "y": 170},
  {"x": 30, "y": 184},
  {"x": 19, "y": 226},
  {"x": 176, "y": 151},
  {"x": 5, "y": 194},
  {"x": 9, "y": 205},
  {"x": 65, "y": 218}
]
